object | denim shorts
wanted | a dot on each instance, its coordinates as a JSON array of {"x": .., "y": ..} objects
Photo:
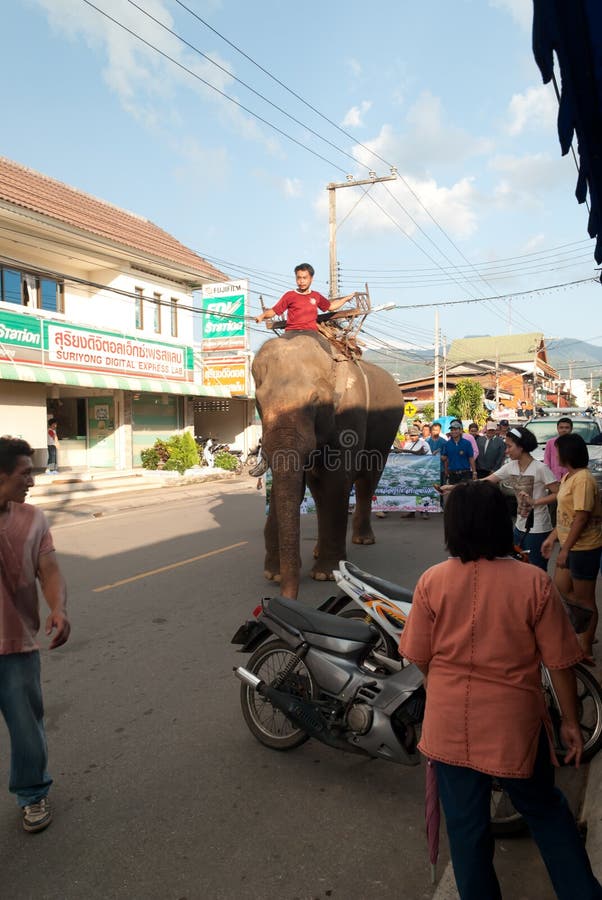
[{"x": 584, "y": 565}]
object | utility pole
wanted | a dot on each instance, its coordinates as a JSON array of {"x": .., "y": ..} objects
[
  {"x": 332, "y": 188},
  {"x": 444, "y": 348},
  {"x": 497, "y": 380},
  {"x": 436, "y": 383}
]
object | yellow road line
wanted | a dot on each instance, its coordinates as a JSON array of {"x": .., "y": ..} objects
[{"x": 184, "y": 562}]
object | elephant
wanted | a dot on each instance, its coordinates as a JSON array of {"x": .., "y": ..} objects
[{"x": 329, "y": 424}]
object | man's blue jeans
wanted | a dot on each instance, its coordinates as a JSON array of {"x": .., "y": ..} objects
[
  {"x": 465, "y": 796},
  {"x": 22, "y": 708}
]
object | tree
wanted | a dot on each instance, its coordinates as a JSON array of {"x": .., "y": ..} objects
[{"x": 466, "y": 402}]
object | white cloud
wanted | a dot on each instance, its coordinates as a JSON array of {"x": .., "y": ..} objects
[
  {"x": 355, "y": 67},
  {"x": 143, "y": 80},
  {"x": 453, "y": 207},
  {"x": 536, "y": 108},
  {"x": 354, "y": 116},
  {"x": 520, "y": 10},
  {"x": 425, "y": 139},
  {"x": 292, "y": 187},
  {"x": 526, "y": 180}
]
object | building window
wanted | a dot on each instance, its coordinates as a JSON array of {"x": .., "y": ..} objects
[
  {"x": 50, "y": 295},
  {"x": 27, "y": 289},
  {"x": 157, "y": 313},
  {"x": 139, "y": 303},
  {"x": 174, "y": 317},
  {"x": 11, "y": 286}
]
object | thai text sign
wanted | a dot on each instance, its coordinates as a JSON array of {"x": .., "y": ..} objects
[
  {"x": 72, "y": 347},
  {"x": 230, "y": 373},
  {"x": 224, "y": 308}
]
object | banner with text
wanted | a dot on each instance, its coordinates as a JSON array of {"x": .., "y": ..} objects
[
  {"x": 229, "y": 372},
  {"x": 20, "y": 337},
  {"x": 406, "y": 485},
  {"x": 73, "y": 347},
  {"x": 224, "y": 307}
]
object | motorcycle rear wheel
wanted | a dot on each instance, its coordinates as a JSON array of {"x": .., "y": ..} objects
[
  {"x": 266, "y": 723},
  {"x": 386, "y": 644}
]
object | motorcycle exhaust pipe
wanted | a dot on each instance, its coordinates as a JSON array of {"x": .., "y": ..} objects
[{"x": 247, "y": 677}]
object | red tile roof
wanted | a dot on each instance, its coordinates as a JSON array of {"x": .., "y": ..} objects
[{"x": 31, "y": 190}]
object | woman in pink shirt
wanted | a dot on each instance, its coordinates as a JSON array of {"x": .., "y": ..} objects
[{"x": 481, "y": 624}]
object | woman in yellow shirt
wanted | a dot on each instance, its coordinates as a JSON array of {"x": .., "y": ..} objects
[{"x": 579, "y": 530}]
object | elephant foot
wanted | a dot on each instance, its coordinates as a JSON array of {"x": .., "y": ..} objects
[
  {"x": 322, "y": 571},
  {"x": 365, "y": 538},
  {"x": 271, "y": 576},
  {"x": 322, "y": 576}
]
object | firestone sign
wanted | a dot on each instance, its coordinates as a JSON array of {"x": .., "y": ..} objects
[{"x": 224, "y": 307}]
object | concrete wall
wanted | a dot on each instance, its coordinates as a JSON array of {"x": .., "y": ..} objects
[{"x": 23, "y": 414}]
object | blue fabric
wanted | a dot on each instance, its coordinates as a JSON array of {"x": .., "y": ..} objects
[
  {"x": 458, "y": 455},
  {"x": 573, "y": 29},
  {"x": 436, "y": 444},
  {"x": 23, "y": 711},
  {"x": 527, "y": 540},
  {"x": 465, "y": 796}
]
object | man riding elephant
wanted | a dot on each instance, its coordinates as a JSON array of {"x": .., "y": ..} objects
[
  {"x": 328, "y": 424},
  {"x": 303, "y": 304}
]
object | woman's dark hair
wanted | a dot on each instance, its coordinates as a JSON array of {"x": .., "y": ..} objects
[
  {"x": 572, "y": 451},
  {"x": 305, "y": 267},
  {"x": 476, "y": 522},
  {"x": 525, "y": 439},
  {"x": 10, "y": 450}
]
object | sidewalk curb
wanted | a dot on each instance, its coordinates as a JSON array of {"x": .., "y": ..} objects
[{"x": 69, "y": 489}]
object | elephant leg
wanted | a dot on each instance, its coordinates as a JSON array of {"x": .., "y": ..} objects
[
  {"x": 272, "y": 547},
  {"x": 331, "y": 494},
  {"x": 365, "y": 485}
]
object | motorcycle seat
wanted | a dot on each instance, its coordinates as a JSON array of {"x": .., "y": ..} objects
[
  {"x": 388, "y": 588},
  {"x": 306, "y": 619}
]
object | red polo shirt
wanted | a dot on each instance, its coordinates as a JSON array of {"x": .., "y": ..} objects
[{"x": 302, "y": 309}]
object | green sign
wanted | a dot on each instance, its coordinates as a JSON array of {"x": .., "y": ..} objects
[
  {"x": 20, "y": 331},
  {"x": 224, "y": 317}
]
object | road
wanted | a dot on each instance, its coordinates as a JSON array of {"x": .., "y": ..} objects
[{"x": 160, "y": 791}]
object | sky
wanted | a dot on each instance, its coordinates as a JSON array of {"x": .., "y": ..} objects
[{"x": 447, "y": 93}]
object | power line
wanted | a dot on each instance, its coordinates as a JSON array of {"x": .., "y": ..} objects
[{"x": 213, "y": 87}]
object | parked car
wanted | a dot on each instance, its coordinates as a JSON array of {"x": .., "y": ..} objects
[{"x": 588, "y": 426}]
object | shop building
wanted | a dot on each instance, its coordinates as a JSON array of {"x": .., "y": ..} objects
[{"x": 96, "y": 327}]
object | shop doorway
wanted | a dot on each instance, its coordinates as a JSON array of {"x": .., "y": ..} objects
[{"x": 101, "y": 432}]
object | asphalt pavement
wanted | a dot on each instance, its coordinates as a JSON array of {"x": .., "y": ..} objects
[{"x": 160, "y": 790}]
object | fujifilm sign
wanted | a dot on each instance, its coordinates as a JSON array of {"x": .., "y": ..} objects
[{"x": 224, "y": 312}]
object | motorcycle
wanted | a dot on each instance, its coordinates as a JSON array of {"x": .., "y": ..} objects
[
  {"x": 316, "y": 679},
  {"x": 387, "y": 605},
  {"x": 312, "y": 674}
]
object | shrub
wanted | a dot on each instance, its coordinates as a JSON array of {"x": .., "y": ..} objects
[
  {"x": 183, "y": 453},
  {"x": 150, "y": 458},
  {"x": 175, "y": 455},
  {"x": 225, "y": 460}
]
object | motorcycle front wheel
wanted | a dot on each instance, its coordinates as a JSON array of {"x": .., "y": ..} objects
[
  {"x": 589, "y": 710},
  {"x": 266, "y": 723}
]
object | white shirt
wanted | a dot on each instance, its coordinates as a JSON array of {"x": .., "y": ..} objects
[{"x": 533, "y": 480}]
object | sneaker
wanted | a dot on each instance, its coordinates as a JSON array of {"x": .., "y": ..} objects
[{"x": 37, "y": 816}]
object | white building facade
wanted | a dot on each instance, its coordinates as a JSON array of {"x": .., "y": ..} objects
[{"x": 96, "y": 327}]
